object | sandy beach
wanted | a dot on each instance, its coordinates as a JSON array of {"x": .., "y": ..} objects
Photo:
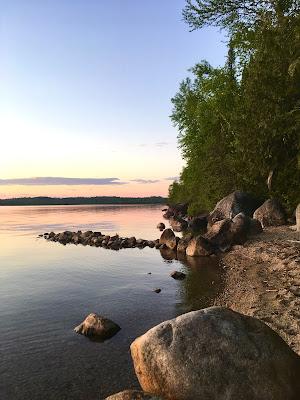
[{"x": 262, "y": 279}]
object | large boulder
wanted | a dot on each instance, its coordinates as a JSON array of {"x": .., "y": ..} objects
[
  {"x": 298, "y": 218},
  {"x": 168, "y": 238},
  {"x": 133, "y": 395},
  {"x": 271, "y": 213},
  {"x": 97, "y": 327},
  {"x": 227, "y": 232},
  {"x": 199, "y": 247},
  {"x": 220, "y": 233},
  {"x": 216, "y": 354},
  {"x": 178, "y": 224},
  {"x": 232, "y": 205}
]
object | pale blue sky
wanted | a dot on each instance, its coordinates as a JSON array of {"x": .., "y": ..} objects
[{"x": 86, "y": 88}]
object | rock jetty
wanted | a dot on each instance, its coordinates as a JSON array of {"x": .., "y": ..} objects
[{"x": 97, "y": 239}]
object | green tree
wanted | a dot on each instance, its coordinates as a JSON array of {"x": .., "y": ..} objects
[
  {"x": 202, "y": 111},
  {"x": 239, "y": 125}
]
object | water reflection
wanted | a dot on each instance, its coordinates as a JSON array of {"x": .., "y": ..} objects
[
  {"x": 47, "y": 289},
  {"x": 203, "y": 283}
]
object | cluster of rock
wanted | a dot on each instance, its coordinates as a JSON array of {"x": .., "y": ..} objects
[
  {"x": 97, "y": 239},
  {"x": 270, "y": 213},
  {"x": 214, "y": 353},
  {"x": 234, "y": 218},
  {"x": 220, "y": 237}
]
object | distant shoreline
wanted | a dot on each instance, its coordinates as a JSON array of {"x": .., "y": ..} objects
[{"x": 66, "y": 201}]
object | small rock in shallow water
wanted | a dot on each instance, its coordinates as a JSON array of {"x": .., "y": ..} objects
[
  {"x": 157, "y": 290},
  {"x": 161, "y": 226},
  {"x": 177, "y": 275},
  {"x": 98, "y": 327}
]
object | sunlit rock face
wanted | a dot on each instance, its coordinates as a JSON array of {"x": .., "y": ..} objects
[
  {"x": 216, "y": 353},
  {"x": 168, "y": 238}
]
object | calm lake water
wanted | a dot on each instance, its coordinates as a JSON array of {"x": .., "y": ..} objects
[{"x": 46, "y": 289}]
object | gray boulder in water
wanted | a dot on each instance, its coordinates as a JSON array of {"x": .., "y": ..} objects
[{"x": 216, "y": 354}]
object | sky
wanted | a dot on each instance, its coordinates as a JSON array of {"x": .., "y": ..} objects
[{"x": 85, "y": 94}]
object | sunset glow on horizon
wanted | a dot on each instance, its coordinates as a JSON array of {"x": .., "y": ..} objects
[{"x": 84, "y": 97}]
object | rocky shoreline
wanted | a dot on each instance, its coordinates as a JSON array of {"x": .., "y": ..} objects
[
  {"x": 262, "y": 281},
  {"x": 246, "y": 346}
]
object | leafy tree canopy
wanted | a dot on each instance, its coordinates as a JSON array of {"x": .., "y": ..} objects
[{"x": 239, "y": 124}]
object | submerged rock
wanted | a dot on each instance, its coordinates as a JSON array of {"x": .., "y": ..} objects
[
  {"x": 271, "y": 213},
  {"x": 216, "y": 354},
  {"x": 157, "y": 290},
  {"x": 167, "y": 254},
  {"x": 98, "y": 327},
  {"x": 178, "y": 275}
]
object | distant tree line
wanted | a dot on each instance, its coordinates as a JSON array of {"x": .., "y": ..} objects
[
  {"x": 239, "y": 124},
  {"x": 38, "y": 201}
]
